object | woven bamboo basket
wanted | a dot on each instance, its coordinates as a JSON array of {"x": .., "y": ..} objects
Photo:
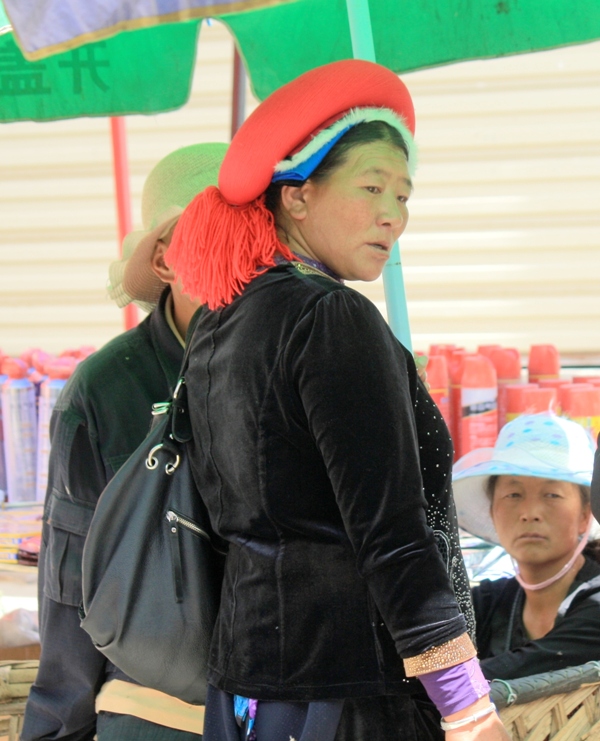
[
  {"x": 572, "y": 716},
  {"x": 557, "y": 706},
  {"x": 16, "y": 678}
]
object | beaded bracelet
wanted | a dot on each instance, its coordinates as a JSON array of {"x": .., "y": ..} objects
[{"x": 453, "y": 724}]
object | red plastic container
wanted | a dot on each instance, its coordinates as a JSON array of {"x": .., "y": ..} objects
[
  {"x": 538, "y": 400},
  {"x": 555, "y": 383},
  {"x": 455, "y": 369},
  {"x": 439, "y": 385},
  {"x": 14, "y": 367},
  {"x": 61, "y": 368},
  {"x": 564, "y": 395},
  {"x": 487, "y": 350},
  {"x": 479, "y": 404},
  {"x": 516, "y": 400},
  {"x": 544, "y": 362},
  {"x": 583, "y": 406},
  {"x": 26, "y": 355},
  {"x": 39, "y": 358},
  {"x": 507, "y": 362},
  {"x": 445, "y": 350},
  {"x": 593, "y": 380}
]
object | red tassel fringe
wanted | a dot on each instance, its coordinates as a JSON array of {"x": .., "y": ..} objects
[{"x": 217, "y": 249}]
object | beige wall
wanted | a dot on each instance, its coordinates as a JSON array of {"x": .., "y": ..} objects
[{"x": 503, "y": 243}]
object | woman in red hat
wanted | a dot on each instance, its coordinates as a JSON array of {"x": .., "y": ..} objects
[{"x": 323, "y": 461}]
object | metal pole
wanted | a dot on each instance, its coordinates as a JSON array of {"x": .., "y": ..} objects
[
  {"x": 238, "y": 102},
  {"x": 121, "y": 174},
  {"x": 395, "y": 298},
  {"x": 361, "y": 33}
]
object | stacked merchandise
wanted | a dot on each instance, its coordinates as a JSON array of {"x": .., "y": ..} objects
[
  {"x": 20, "y": 529},
  {"x": 29, "y": 388},
  {"x": 478, "y": 393}
]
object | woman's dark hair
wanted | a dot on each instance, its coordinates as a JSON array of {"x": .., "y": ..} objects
[
  {"x": 592, "y": 549},
  {"x": 490, "y": 486},
  {"x": 363, "y": 133}
]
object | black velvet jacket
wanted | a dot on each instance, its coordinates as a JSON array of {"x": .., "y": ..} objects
[{"x": 306, "y": 449}]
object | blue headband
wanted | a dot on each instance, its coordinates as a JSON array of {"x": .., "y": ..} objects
[{"x": 304, "y": 170}]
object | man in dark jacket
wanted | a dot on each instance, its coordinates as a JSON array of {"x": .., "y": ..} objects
[{"x": 101, "y": 417}]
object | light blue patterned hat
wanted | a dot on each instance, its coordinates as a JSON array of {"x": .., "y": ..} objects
[{"x": 540, "y": 445}]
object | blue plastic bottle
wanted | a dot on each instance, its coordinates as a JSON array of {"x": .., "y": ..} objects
[
  {"x": 20, "y": 432},
  {"x": 58, "y": 372},
  {"x": 3, "y": 378}
]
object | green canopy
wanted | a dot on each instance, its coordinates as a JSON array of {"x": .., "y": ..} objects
[
  {"x": 150, "y": 70},
  {"x": 145, "y": 71},
  {"x": 280, "y": 43}
]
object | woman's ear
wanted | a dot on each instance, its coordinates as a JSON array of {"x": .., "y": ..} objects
[
  {"x": 293, "y": 201},
  {"x": 586, "y": 516}
]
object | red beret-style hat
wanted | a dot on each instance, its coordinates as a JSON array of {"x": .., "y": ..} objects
[
  {"x": 227, "y": 236},
  {"x": 290, "y": 115}
]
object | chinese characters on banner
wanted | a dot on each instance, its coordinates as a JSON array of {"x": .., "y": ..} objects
[{"x": 144, "y": 72}]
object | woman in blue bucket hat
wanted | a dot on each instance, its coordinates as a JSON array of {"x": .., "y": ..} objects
[{"x": 531, "y": 494}]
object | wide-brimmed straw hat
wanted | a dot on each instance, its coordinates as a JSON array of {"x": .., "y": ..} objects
[
  {"x": 539, "y": 445},
  {"x": 168, "y": 189},
  {"x": 226, "y": 236}
]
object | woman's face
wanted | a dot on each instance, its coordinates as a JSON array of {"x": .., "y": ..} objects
[
  {"x": 350, "y": 220},
  {"x": 538, "y": 521}
]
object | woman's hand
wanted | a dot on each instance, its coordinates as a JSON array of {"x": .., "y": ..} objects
[{"x": 488, "y": 728}]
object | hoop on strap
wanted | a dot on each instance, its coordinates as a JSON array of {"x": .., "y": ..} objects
[{"x": 152, "y": 460}]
